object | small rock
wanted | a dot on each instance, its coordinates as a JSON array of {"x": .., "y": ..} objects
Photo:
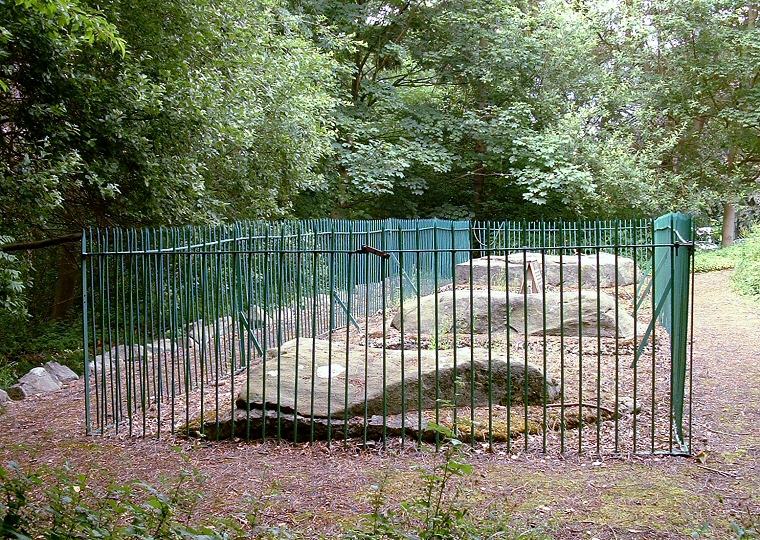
[
  {"x": 3, "y": 397},
  {"x": 37, "y": 381},
  {"x": 63, "y": 373}
]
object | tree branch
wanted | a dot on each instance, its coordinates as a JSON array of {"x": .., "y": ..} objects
[{"x": 21, "y": 246}]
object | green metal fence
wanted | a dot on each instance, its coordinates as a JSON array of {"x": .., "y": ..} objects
[{"x": 534, "y": 336}]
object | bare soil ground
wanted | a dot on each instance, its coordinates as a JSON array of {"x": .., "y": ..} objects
[{"x": 316, "y": 490}]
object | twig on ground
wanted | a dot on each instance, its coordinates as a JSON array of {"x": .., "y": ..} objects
[
  {"x": 587, "y": 405},
  {"x": 725, "y": 433},
  {"x": 722, "y": 473}
]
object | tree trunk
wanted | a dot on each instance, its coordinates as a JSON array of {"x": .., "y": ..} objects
[
  {"x": 479, "y": 183},
  {"x": 729, "y": 224},
  {"x": 66, "y": 285}
]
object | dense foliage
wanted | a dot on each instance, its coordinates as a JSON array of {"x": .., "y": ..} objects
[{"x": 131, "y": 113}]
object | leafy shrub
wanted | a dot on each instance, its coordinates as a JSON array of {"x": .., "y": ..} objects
[
  {"x": 59, "y": 504},
  {"x": 747, "y": 276},
  {"x": 11, "y": 282}
]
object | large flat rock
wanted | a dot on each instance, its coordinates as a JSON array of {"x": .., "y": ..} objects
[
  {"x": 602, "y": 271},
  {"x": 482, "y": 311},
  {"x": 327, "y": 380}
]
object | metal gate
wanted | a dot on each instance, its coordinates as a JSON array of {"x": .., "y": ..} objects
[{"x": 561, "y": 336}]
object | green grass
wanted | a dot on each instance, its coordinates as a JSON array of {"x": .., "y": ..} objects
[
  {"x": 743, "y": 257},
  {"x": 719, "y": 259}
]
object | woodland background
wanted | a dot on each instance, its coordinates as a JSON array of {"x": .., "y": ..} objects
[{"x": 120, "y": 114}]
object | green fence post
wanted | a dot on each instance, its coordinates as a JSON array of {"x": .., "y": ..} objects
[{"x": 673, "y": 243}]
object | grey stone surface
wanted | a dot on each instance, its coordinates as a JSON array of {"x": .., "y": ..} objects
[
  {"x": 61, "y": 372},
  {"x": 480, "y": 309},
  {"x": 513, "y": 269},
  {"x": 37, "y": 381},
  {"x": 120, "y": 354},
  {"x": 3, "y": 397},
  {"x": 314, "y": 377}
]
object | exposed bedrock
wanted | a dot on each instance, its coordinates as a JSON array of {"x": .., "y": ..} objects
[{"x": 484, "y": 311}]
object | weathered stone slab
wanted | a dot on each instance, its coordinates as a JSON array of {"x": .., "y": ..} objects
[
  {"x": 478, "y": 310},
  {"x": 36, "y": 381},
  {"x": 556, "y": 270},
  {"x": 326, "y": 380},
  {"x": 61, "y": 372}
]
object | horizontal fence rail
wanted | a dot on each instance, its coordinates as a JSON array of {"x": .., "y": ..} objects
[{"x": 541, "y": 336}]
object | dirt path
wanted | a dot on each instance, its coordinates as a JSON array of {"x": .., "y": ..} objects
[{"x": 316, "y": 490}]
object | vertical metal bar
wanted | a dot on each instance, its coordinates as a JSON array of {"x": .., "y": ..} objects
[
  {"x": 105, "y": 338},
  {"x": 298, "y": 335},
  {"x": 654, "y": 345},
  {"x": 384, "y": 275},
  {"x": 489, "y": 255},
  {"x": 130, "y": 270},
  {"x": 116, "y": 374},
  {"x": 455, "y": 337},
  {"x": 526, "y": 329},
  {"x": 331, "y": 328},
  {"x": 562, "y": 335},
  {"x": 110, "y": 329},
  {"x": 580, "y": 339},
  {"x": 509, "y": 235},
  {"x": 314, "y": 322},
  {"x": 281, "y": 273},
  {"x": 599, "y": 341},
  {"x": 673, "y": 249},
  {"x": 366, "y": 334},
  {"x": 418, "y": 252},
  {"x": 400, "y": 237},
  {"x": 635, "y": 366},
  {"x": 203, "y": 258},
  {"x": 158, "y": 343},
  {"x": 86, "y": 333},
  {"x": 471, "y": 382},
  {"x": 545, "y": 419},
  {"x": 263, "y": 312},
  {"x": 437, "y": 333},
  {"x": 219, "y": 332},
  {"x": 616, "y": 408},
  {"x": 691, "y": 339},
  {"x": 349, "y": 315},
  {"x": 174, "y": 282}
]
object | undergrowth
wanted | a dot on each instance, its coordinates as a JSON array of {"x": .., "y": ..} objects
[
  {"x": 27, "y": 344},
  {"x": 443, "y": 509},
  {"x": 747, "y": 275},
  {"x": 743, "y": 257},
  {"x": 57, "y": 504},
  {"x": 718, "y": 259}
]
